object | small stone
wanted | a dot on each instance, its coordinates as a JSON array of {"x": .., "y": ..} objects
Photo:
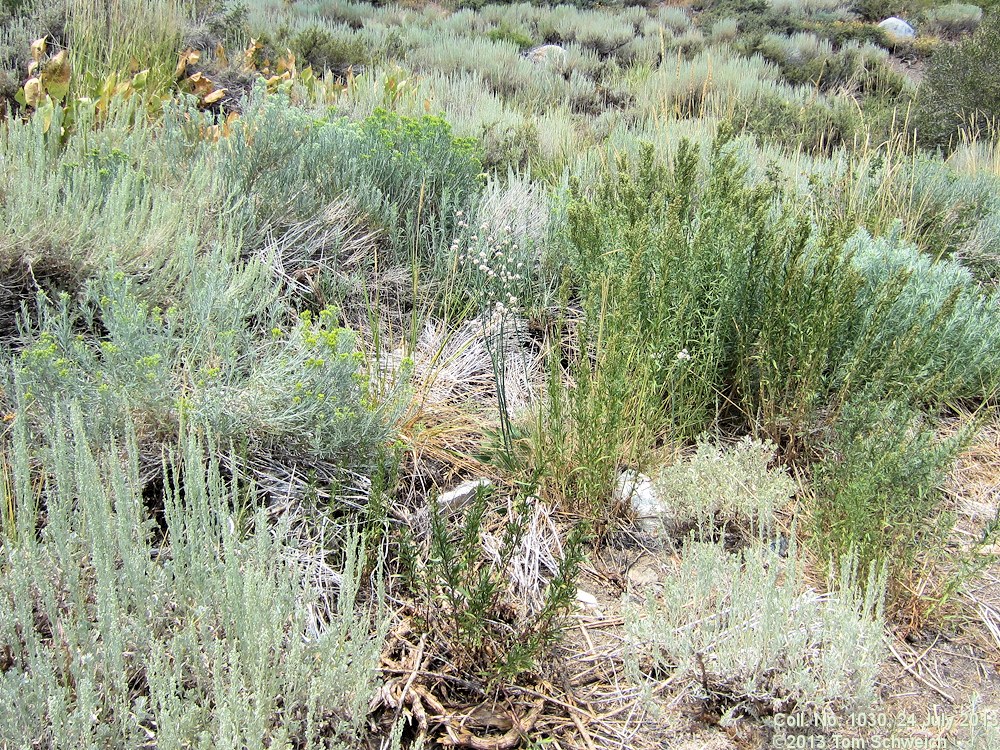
[
  {"x": 460, "y": 496},
  {"x": 448, "y": 502},
  {"x": 897, "y": 27},
  {"x": 589, "y": 601},
  {"x": 548, "y": 53},
  {"x": 637, "y": 489}
]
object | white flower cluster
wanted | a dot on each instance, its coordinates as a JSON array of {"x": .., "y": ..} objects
[
  {"x": 661, "y": 358},
  {"x": 495, "y": 266}
]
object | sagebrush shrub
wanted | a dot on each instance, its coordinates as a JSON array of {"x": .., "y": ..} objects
[
  {"x": 205, "y": 626},
  {"x": 953, "y": 18},
  {"x": 224, "y": 357},
  {"x": 408, "y": 174},
  {"x": 941, "y": 334}
]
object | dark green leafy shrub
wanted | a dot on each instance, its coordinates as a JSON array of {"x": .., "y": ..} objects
[
  {"x": 961, "y": 90},
  {"x": 230, "y": 23},
  {"x": 514, "y": 36},
  {"x": 878, "y": 10},
  {"x": 821, "y": 125},
  {"x": 878, "y": 493},
  {"x": 483, "y": 625},
  {"x": 317, "y": 47}
]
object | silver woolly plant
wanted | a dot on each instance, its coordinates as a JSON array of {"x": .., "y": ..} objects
[
  {"x": 745, "y": 632},
  {"x": 205, "y": 630},
  {"x": 731, "y": 485}
]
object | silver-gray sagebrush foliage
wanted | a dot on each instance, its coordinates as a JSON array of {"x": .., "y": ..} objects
[{"x": 203, "y": 629}]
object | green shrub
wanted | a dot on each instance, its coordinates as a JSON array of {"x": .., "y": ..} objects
[
  {"x": 878, "y": 494},
  {"x": 504, "y": 34},
  {"x": 726, "y": 305},
  {"x": 408, "y": 174},
  {"x": 323, "y": 49},
  {"x": 207, "y": 625},
  {"x": 954, "y": 18},
  {"x": 488, "y": 618},
  {"x": 878, "y": 10},
  {"x": 961, "y": 89}
]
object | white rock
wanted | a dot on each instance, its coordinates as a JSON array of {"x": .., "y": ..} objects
[
  {"x": 589, "y": 601},
  {"x": 548, "y": 53},
  {"x": 897, "y": 27},
  {"x": 460, "y": 496},
  {"x": 637, "y": 489}
]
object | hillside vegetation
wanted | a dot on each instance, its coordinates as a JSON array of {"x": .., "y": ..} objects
[{"x": 573, "y": 375}]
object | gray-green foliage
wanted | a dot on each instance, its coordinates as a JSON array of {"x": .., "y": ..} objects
[
  {"x": 744, "y": 630},
  {"x": 939, "y": 312},
  {"x": 408, "y": 175},
  {"x": 225, "y": 356},
  {"x": 725, "y": 485},
  {"x": 953, "y": 18},
  {"x": 207, "y": 628},
  {"x": 120, "y": 192}
]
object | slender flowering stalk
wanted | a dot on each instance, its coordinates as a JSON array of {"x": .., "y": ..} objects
[{"x": 494, "y": 266}]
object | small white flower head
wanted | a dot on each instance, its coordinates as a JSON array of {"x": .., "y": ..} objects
[
  {"x": 683, "y": 354},
  {"x": 460, "y": 213}
]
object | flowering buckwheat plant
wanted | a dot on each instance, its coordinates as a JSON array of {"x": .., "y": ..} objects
[{"x": 495, "y": 267}]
